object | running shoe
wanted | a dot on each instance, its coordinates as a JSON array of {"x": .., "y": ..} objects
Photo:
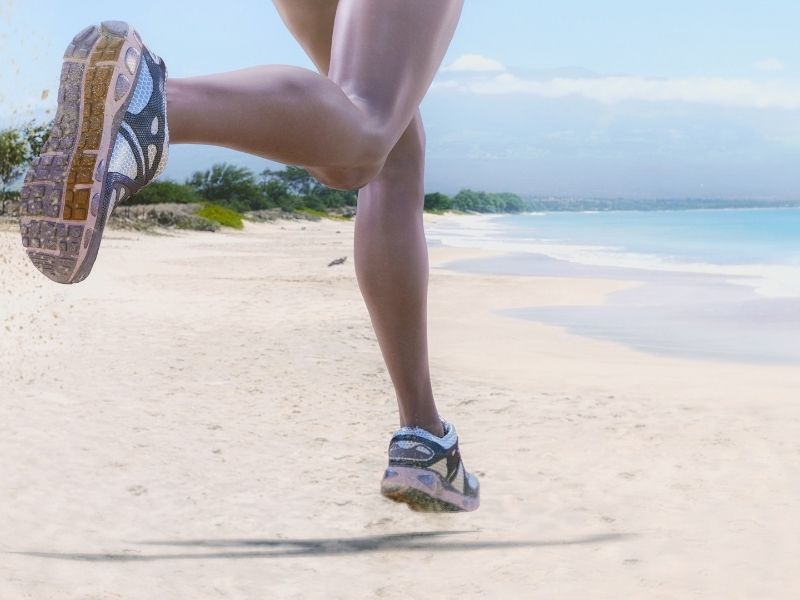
[
  {"x": 109, "y": 140},
  {"x": 427, "y": 473}
]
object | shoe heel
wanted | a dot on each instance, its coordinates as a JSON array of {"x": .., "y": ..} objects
[
  {"x": 115, "y": 28},
  {"x": 81, "y": 45}
]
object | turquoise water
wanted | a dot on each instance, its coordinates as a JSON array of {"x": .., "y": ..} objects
[
  {"x": 712, "y": 284},
  {"x": 723, "y": 237}
]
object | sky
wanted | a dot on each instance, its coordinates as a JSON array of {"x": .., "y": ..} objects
[{"x": 570, "y": 98}]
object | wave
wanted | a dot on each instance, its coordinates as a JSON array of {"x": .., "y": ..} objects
[{"x": 767, "y": 280}]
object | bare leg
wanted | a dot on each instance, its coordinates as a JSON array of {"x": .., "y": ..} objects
[
  {"x": 390, "y": 251},
  {"x": 383, "y": 58},
  {"x": 391, "y": 258}
]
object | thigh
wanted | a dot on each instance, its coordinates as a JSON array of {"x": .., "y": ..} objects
[
  {"x": 311, "y": 24},
  {"x": 385, "y": 53}
]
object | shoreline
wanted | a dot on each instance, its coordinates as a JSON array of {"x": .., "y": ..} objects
[
  {"x": 769, "y": 279},
  {"x": 734, "y": 312},
  {"x": 641, "y": 284}
]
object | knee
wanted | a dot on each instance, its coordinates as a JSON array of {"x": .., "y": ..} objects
[
  {"x": 346, "y": 178},
  {"x": 380, "y": 153},
  {"x": 369, "y": 149}
]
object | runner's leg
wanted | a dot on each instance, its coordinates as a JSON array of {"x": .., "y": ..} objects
[
  {"x": 390, "y": 249},
  {"x": 383, "y": 58}
]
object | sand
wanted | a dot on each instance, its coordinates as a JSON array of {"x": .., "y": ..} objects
[{"x": 207, "y": 417}]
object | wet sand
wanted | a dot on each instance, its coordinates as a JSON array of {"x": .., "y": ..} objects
[{"x": 683, "y": 314}]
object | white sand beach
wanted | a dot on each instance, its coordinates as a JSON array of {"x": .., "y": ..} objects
[{"x": 207, "y": 417}]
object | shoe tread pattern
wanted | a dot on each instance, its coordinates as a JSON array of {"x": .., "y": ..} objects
[{"x": 55, "y": 201}]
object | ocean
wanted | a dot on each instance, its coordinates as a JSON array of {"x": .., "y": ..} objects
[{"x": 713, "y": 284}]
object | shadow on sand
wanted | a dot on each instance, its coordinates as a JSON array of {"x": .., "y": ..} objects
[{"x": 282, "y": 548}]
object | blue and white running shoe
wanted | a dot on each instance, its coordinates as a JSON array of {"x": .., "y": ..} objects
[
  {"x": 109, "y": 140},
  {"x": 427, "y": 473}
]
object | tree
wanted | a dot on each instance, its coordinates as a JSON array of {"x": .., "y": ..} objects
[
  {"x": 306, "y": 191},
  {"x": 18, "y": 147},
  {"x": 276, "y": 193},
  {"x": 37, "y": 135},
  {"x": 229, "y": 186},
  {"x": 333, "y": 198},
  {"x": 510, "y": 203},
  {"x": 298, "y": 181},
  {"x": 469, "y": 200},
  {"x": 437, "y": 201},
  {"x": 13, "y": 156}
]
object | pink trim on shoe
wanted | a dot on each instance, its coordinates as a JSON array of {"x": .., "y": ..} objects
[{"x": 424, "y": 490}]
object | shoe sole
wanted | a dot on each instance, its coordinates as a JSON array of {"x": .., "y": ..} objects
[
  {"x": 424, "y": 491},
  {"x": 63, "y": 204}
]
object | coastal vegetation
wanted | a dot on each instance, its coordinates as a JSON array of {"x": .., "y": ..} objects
[
  {"x": 226, "y": 194},
  {"x": 238, "y": 190},
  {"x": 294, "y": 189},
  {"x": 219, "y": 214}
]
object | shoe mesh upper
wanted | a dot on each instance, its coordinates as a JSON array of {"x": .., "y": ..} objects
[
  {"x": 417, "y": 447},
  {"x": 141, "y": 147}
]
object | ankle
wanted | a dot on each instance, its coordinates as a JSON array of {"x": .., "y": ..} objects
[
  {"x": 181, "y": 109},
  {"x": 435, "y": 427}
]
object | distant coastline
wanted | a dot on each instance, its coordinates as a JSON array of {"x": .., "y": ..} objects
[
  {"x": 225, "y": 193},
  {"x": 551, "y": 204}
]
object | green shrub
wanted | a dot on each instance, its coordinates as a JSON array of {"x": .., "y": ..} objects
[
  {"x": 312, "y": 212},
  {"x": 223, "y": 216}
]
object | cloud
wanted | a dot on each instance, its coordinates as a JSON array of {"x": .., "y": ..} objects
[
  {"x": 770, "y": 64},
  {"x": 475, "y": 63},
  {"x": 740, "y": 93}
]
